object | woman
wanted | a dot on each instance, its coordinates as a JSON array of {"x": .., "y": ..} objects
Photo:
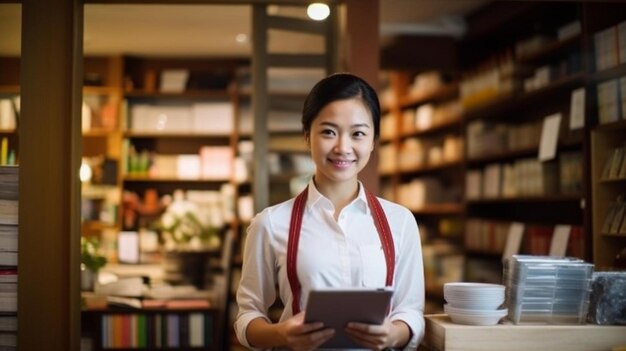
[{"x": 338, "y": 240}]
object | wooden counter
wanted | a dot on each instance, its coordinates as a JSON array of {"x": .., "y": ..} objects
[{"x": 442, "y": 334}]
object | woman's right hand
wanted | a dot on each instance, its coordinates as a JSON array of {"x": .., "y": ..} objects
[{"x": 299, "y": 336}]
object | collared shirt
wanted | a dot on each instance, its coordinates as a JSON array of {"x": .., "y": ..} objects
[{"x": 346, "y": 252}]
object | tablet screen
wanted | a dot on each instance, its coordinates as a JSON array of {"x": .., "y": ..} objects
[{"x": 336, "y": 307}]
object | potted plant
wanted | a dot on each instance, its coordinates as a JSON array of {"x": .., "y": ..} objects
[
  {"x": 91, "y": 261},
  {"x": 190, "y": 237}
]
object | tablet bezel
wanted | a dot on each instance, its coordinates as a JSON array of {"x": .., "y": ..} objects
[{"x": 336, "y": 307}]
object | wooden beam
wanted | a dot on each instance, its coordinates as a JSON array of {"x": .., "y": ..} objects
[
  {"x": 362, "y": 59},
  {"x": 260, "y": 184},
  {"x": 49, "y": 205}
]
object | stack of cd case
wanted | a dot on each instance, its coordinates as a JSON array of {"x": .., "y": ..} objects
[{"x": 547, "y": 290}]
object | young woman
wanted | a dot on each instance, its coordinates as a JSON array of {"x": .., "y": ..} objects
[{"x": 334, "y": 234}]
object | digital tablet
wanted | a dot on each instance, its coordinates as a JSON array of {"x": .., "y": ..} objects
[{"x": 336, "y": 307}]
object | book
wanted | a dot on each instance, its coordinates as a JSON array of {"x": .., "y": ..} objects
[
  {"x": 610, "y": 215},
  {"x": 8, "y": 211},
  {"x": 8, "y": 258},
  {"x": 8, "y": 301},
  {"x": 8, "y": 238},
  {"x": 8, "y": 323},
  {"x": 616, "y": 162},
  {"x": 617, "y": 220}
]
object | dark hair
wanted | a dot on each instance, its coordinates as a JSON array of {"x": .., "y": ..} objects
[{"x": 340, "y": 86}]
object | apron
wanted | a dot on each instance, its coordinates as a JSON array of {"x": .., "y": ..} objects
[{"x": 382, "y": 226}]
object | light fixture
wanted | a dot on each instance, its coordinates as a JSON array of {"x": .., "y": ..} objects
[
  {"x": 241, "y": 38},
  {"x": 318, "y": 11},
  {"x": 85, "y": 172}
]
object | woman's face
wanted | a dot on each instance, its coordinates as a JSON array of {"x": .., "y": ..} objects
[{"x": 341, "y": 140}]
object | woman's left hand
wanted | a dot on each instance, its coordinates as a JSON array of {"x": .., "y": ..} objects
[{"x": 372, "y": 336}]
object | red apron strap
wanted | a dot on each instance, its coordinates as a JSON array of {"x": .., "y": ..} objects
[
  {"x": 382, "y": 227},
  {"x": 384, "y": 232},
  {"x": 292, "y": 248}
]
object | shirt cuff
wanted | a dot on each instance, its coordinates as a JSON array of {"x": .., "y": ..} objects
[
  {"x": 416, "y": 328},
  {"x": 241, "y": 326}
]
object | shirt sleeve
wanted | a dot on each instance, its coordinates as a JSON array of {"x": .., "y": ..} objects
[
  {"x": 408, "y": 300},
  {"x": 257, "y": 288}
]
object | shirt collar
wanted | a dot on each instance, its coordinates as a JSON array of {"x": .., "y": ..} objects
[{"x": 315, "y": 198}]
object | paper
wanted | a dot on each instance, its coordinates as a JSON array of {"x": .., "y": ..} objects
[
  {"x": 577, "y": 109},
  {"x": 513, "y": 240},
  {"x": 558, "y": 247},
  {"x": 128, "y": 247},
  {"x": 549, "y": 137}
]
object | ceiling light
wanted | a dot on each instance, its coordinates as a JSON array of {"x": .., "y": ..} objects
[
  {"x": 241, "y": 38},
  {"x": 318, "y": 11}
]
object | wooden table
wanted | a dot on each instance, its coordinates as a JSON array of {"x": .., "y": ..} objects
[{"x": 442, "y": 334}]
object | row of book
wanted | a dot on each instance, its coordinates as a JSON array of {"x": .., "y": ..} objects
[
  {"x": 526, "y": 177},
  {"x": 486, "y": 138},
  {"x": 612, "y": 100},
  {"x": 198, "y": 118},
  {"x": 615, "y": 220},
  {"x": 9, "y": 195},
  {"x": 491, "y": 236},
  {"x": 610, "y": 46},
  {"x": 157, "y": 330},
  {"x": 416, "y": 153},
  {"x": 211, "y": 162},
  {"x": 615, "y": 165}
]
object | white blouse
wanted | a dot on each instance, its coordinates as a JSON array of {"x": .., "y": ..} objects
[{"x": 343, "y": 253}]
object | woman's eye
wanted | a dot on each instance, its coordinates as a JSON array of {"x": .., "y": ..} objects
[
  {"x": 328, "y": 132},
  {"x": 359, "y": 134}
]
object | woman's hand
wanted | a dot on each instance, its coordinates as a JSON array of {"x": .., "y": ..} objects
[
  {"x": 303, "y": 337},
  {"x": 378, "y": 337}
]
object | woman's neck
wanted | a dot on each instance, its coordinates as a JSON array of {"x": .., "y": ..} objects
[{"x": 340, "y": 194}]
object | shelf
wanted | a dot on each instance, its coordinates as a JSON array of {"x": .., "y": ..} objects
[
  {"x": 97, "y": 225},
  {"x": 610, "y": 235},
  {"x": 552, "y": 50},
  {"x": 613, "y": 181},
  {"x": 502, "y": 156},
  {"x": 439, "y": 127},
  {"x": 517, "y": 101},
  {"x": 610, "y": 73},
  {"x": 439, "y": 209},
  {"x": 98, "y": 133},
  {"x": 101, "y": 90},
  {"x": 190, "y": 94},
  {"x": 617, "y": 125},
  {"x": 446, "y": 92},
  {"x": 148, "y": 179},
  {"x": 9, "y": 89},
  {"x": 431, "y": 168},
  {"x": 8, "y": 131},
  {"x": 177, "y": 135},
  {"x": 526, "y": 199}
]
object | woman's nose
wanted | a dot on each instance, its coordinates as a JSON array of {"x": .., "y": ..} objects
[{"x": 343, "y": 145}]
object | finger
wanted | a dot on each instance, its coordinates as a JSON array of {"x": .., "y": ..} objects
[{"x": 364, "y": 328}]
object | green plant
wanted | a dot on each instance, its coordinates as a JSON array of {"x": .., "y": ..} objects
[{"x": 90, "y": 257}]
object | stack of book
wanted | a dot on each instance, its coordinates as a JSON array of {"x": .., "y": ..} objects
[{"x": 8, "y": 256}]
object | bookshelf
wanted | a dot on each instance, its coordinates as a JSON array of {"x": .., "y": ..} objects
[
  {"x": 159, "y": 328},
  {"x": 607, "y": 87},
  {"x": 520, "y": 65},
  {"x": 421, "y": 165},
  {"x": 511, "y": 91}
]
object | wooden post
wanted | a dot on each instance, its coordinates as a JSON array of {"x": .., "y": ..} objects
[
  {"x": 49, "y": 204},
  {"x": 362, "y": 59}
]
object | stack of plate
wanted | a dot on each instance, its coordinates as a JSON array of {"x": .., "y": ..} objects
[
  {"x": 474, "y": 303},
  {"x": 550, "y": 290}
]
